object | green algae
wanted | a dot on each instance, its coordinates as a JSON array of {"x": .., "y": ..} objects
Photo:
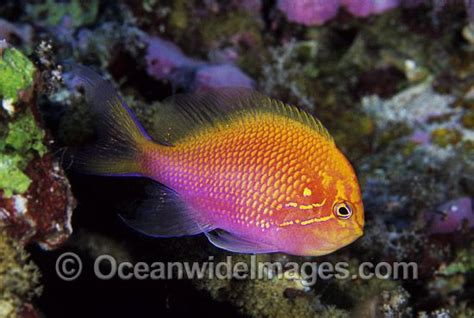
[
  {"x": 462, "y": 264},
  {"x": 444, "y": 136},
  {"x": 23, "y": 140},
  {"x": 55, "y": 11},
  {"x": 12, "y": 178},
  {"x": 24, "y": 135},
  {"x": 16, "y": 74}
]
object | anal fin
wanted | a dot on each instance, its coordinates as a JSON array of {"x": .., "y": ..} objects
[
  {"x": 234, "y": 243},
  {"x": 165, "y": 214}
]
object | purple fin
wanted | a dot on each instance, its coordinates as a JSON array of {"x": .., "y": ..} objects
[
  {"x": 165, "y": 214},
  {"x": 121, "y": 138},
  {"x": 237, "y": 244}
]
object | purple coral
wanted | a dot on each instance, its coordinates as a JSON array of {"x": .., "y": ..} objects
[
  {"x": 453, "y": 215},
  {"x": 364, "y": 8},
  {"x": 317, "y": 12},
  {"x": 309, "y": 12},
  {"x": 166, "y": 61},
  {"x": 163, "y": 58},
  {"x": 211, "y": 76}
]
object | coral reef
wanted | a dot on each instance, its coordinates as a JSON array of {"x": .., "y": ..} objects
[
  {"x": 392, "y": 81},
  {"x": 19, "y": 280},
  {"x": 35, "y": 199},
  {"x": 286, "y": 293}
]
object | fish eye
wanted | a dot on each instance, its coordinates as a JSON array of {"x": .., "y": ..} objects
[{"x": 342, "y": 210}]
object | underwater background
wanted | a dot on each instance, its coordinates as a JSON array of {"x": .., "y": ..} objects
[{"x": 392, "y": 80}]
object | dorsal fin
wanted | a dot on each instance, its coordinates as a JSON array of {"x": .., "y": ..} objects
[{"x": 183, "y": 115}]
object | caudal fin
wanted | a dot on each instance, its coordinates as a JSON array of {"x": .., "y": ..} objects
[{"x": 121, "y": 140}]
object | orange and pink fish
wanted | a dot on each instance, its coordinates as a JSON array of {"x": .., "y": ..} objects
[{"x": 253, "y": 174}]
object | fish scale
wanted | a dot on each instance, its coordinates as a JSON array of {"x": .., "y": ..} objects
[
  {"x": 253, "y": 174},
  {"x": 261, "y": 142}
]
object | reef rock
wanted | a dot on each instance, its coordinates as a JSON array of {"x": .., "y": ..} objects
[{"x": 35, "y": 197}]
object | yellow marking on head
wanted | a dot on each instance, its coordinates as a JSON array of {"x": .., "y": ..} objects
[
  {"x": 307, "y": 192},
  {"x": 317, "y": 205},
  {"x": 317, "y": 220},
  {"x": 306, "y": 206},
  {"x": 307, "y": 222}
]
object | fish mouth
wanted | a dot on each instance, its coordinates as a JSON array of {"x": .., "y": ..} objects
[
  {"x": 347, "y": 238},
  {"x": 329, "y": 246}
]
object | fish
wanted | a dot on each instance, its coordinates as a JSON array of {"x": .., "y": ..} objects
[{"x": 253, "y": 174}]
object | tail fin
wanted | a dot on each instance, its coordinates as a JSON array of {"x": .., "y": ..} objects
[{"x": 121, "y": 139}]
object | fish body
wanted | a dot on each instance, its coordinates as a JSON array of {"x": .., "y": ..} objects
[{"x": 253, "y": 174}]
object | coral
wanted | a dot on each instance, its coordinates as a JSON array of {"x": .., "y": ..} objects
[
  {"x": 452, "y": 216},
  {"x": 452, "y": 277},
  {"x": 309, "y": 12},
  {"x": 368, "y": 7},
  {"x": 253, "y": 296},
  {"x": 19, "y": 280},
  {"x": 53, "y": 12},
  {"x": 462, "y": 264},
  {"x": 317, "y": 12},
  {"x": 35, "y": 199},
  {"x": 166, "y": 61},
  {"x": 412, "y": 106},
  {"x": 50, "y": 71},
  {"x": 220, "y": 76},
  {"x": 395, "y": 303},
  {"x": 427, "y": 115},
  {"x": 281, "y": 74}
]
